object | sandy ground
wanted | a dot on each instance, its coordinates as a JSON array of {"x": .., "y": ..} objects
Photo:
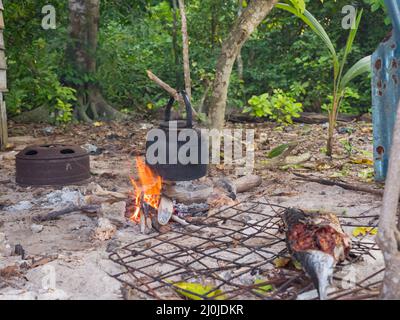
[{"x": 75, "y": 265}]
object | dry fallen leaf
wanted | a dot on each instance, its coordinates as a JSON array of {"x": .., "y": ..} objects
[
  {"x": 323, "y": 166},
  {"x": 98, "y": 124},
  {"x": 368, "y": 162},
  {"x": 10, "y": 272},
  {"x": 281, "y": 262},
  {"x": 363, "y": 231}
]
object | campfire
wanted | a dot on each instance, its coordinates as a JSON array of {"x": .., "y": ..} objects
[
  {"x": 156, "y": 202},
  {"x": 146, "y": 195}
]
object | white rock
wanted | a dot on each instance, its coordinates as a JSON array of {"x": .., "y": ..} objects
[
  {"x": 9, "y": 155},
  {"x": 105, "y": 230},
  {"x": 65, "y": 197},
  {"x": 5, "y": 248},
  {"x": 91, "y": 148},
  {"x": 146, "y": 126},
  {"x": 114, "y": 212},
  {"x": 20, "y": 206},
  {"x": 36, "y": 228}
]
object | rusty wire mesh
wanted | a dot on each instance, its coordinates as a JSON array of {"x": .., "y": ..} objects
[{"x": 233, "y": 254}]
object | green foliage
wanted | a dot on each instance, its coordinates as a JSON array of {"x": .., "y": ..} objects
[
  {"x": 35, "y": 82},
  {"x": 33, "y": 59},
  {"x": 279, "y": 106},
  {"x": 378, "y": 5},
  {"x": 351, "y": 98},
  {"x": 136, "y": 35},
  {"x": 340, "y": 81}
]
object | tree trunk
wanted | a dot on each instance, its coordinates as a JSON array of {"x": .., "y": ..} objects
[
  {"x": 389, "y": 234},
  {"x": 244, "y": 26},
  {"x": 84, "y": 16},
  {"x": 185, "y": 45},
  {"x": 239, "y": 59}
]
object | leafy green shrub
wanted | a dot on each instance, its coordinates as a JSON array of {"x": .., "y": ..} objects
[
  {"x": 350, "y": 103},
  {"x": 279, "y": 106},
  {"x": 34, "y": 82}
]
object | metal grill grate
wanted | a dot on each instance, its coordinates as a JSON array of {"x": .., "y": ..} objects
[{"x": 232, "y": 254}]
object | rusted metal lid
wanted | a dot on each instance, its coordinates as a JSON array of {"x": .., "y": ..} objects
[
  {"x": 51, "y": 151},
  {"x": 52, "y": 165}
]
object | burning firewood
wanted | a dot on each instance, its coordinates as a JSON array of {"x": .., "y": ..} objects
[
  {"x": 146, "y": 196},
  {"x": 318, "y": 242}
]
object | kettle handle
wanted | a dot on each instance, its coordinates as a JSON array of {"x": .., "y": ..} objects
[{"x": 189, "y": 113}]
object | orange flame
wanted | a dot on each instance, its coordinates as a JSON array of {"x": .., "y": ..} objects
[{"x": 149, "y": 184}]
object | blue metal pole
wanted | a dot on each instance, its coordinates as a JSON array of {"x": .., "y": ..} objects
[{"x": 386, "y": 91}]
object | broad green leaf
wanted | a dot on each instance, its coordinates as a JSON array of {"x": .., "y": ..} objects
[
  {"x": 360, "y": 67},
  {"x": 299, "y": 5},
  {"x": 349, "y": 44},
  {"x": 195, "y": 291},
  {"x": 262, "y": 289},
  {"x": 276, "y": 152}
]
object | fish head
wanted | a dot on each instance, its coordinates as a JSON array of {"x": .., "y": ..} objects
[{"x": 319, "y": 266}]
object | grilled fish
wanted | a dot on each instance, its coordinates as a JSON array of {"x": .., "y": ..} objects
[{"x": 318, "y": 242}]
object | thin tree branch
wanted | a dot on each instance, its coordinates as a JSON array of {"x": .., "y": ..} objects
[
  {"x": 343, "y": 185},
  {"x": 172, "y": 92}
]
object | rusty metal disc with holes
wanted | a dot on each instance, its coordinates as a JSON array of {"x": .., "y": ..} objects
[{"x": 52, "y": 165}]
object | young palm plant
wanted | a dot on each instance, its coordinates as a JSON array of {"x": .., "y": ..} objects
[{"x": 340, "y": 79}]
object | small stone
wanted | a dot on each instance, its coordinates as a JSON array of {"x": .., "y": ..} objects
[
  {"x": 114, "y": 212},
  {"x": 36, "y": 228},
  {"x": 146, "y": 126},
  {"x": 345, "y": 130},
  {"x": 92, "y": 149},
  {"x": 5, "y": 248},
  {"x": 21, "y": 206},
  {"x": 9, "y": 155},
  {"x": 105, "y": 230},
  {"x": 48, "y": 130},
  {"x": 65, "y": 197},
  {"x": 19, "y": 251}
]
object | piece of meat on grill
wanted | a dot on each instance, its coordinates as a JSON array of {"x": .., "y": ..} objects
[{"x": 318, "y": 242}]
